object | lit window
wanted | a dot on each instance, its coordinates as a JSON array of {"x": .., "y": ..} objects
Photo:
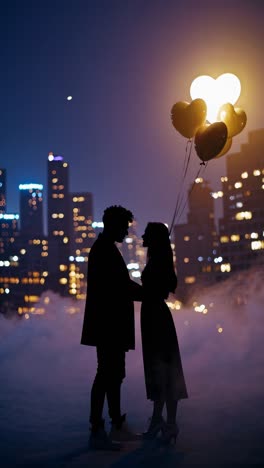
[
  {"x": 257, "y": 245},
  {"x": 244, "y": 175},
  {"x": 256, "y": 172},
  {"x": 186, "y": 238},
  {"x": 235, "y": 237},
  {"x": 244, "y": 215},
  {"x": 238, "y": 185},
  {"x": 225, "y": 267},
  {"x": 189, "y": 279},
  {"x": 224, "y": 179},
  {"x": 224, "y": 239},
  {"x": 63, "y": 281},
  {"x": 186, "y": 260}
]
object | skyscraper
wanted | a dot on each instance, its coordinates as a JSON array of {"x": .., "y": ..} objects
[
  {"x": 196, "y": 241},
  {"x": 2, "y": 191},
  {"x": 8, "y": 232},
  {"x": 82, "y": 238},
  {"x": 58, "y": 223},
  {"x": 242, "y": 225},
  {"x": 31, "y": 210},
  {"x": 82, "y": 233}
]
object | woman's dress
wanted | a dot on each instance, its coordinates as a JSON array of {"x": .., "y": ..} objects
[{"x": 164, "y": 376}]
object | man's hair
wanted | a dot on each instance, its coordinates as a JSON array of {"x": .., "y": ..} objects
[{"x": 117, "y": 214}]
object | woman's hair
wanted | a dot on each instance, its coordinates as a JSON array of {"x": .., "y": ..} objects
[{"x": 159, "y": 250}]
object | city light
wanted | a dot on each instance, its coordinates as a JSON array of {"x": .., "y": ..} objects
[
  {"x": 9, "y": 216},
  {"x": 97, "y": 224},
  {"x": 30, "y": 187},
  {"x": 136, "y": 274},
  {"x": 131, "y": 266},
  {"x": 243, "y": 215},
  {"x": 257, "y": 245}
]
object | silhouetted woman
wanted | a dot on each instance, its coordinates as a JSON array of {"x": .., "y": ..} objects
[{"x": 164, "y": 377}]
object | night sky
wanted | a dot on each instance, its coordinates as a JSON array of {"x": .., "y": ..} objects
[{"x": 125, "y": 62}]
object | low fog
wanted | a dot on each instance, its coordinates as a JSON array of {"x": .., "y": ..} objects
[{"x": 46, "y": 377}]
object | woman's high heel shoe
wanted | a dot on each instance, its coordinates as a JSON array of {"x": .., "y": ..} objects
[
  {"x": 169, "y": 434},
  {"x": 155, "y": 427}
]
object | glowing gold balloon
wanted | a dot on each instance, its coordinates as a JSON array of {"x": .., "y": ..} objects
[
  {"x": 234, "y": 118},
  {"x": 187, "y": 118},
  {"x": 210, "y": 140},
  {"x": 226, "y": 88},
  {"x": 225, "y": 149}
]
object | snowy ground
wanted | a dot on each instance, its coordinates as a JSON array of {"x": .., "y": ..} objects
[{"x": 46, "y": 378}]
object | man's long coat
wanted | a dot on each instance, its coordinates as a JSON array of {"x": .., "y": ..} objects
[{"x": 109, "y": 309}]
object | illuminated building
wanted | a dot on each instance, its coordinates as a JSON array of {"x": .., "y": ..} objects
[
  {"x": 58, "y": 223},
  {"x": 31, "y": 210},
  {"x": 82, "y": 238},
  {"x": 242, "y": 226},
  {"x": 23, "y": 278},
  {"x": 2, "y": 191},
  {"x": 82, "y": 232},
  {"x": 133, "y": 253},
  {"x": 23, "y": 267},
  {"x": 9, "y": 232},
  {"x": 196, "y": 241}
]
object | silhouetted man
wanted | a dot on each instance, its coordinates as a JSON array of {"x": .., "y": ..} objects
[{"x": 109, "y": 325}]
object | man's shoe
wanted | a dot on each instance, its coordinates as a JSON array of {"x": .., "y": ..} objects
[
  {"x": 121, "y": 432},
  {"x": 99, "y": 440}
]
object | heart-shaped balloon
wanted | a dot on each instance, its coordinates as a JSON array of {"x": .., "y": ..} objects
[
  {"x": 234, "y": 118},
  {"x": 210, "y": 139},
  {"x": 187, "y": 118},
  {"x": 225, "y": 149},
  {"x": 226, "y": 88}
]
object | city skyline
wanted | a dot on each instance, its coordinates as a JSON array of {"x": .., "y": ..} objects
[
  {"x": 124, "y": 64},
  {"x": 205, "y": 251}
]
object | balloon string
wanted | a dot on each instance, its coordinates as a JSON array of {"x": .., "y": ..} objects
[
  {"x": 183, "y": 179},
  {"x": 184, "y": 172},
  {"x": 202, "y": 166}
]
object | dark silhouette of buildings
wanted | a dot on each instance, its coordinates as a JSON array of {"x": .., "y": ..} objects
[
  {"x": 31, "y": 262},
  {"x": 58, "y": 223},
  {"x": 31, "y": 210},
  {"x": 205, "y": 255},
  {"x": 81, "y": 240},
  {"x": 196, "y": 241},
  {"x": 241, "y": 230},
  {"x": 2, "y": 191}
]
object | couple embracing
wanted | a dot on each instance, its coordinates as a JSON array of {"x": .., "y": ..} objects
[{"x": 109, "y": 326}]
